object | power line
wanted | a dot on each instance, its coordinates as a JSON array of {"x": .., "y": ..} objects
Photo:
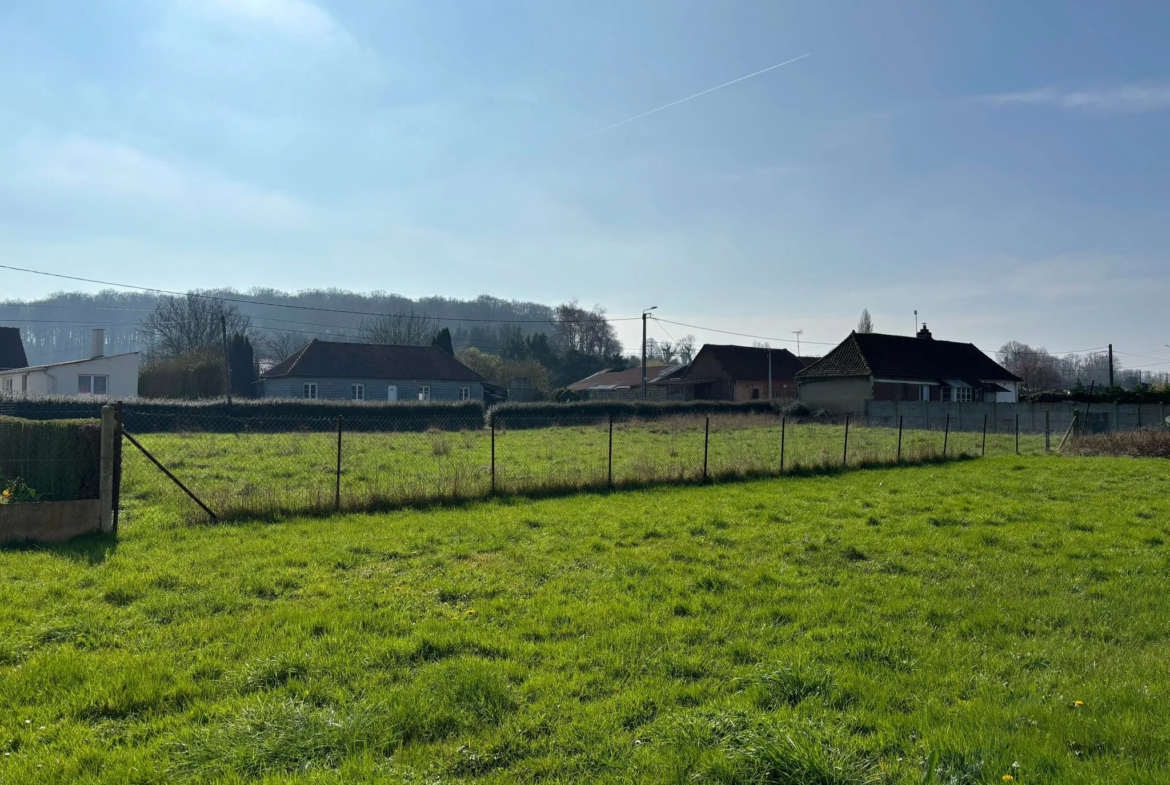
[{"x": 305, "y": 307}]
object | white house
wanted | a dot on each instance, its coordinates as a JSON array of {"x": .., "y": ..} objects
[{"x": 115, "y": 376}]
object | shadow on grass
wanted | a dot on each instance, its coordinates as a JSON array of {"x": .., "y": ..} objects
[
  {"x": 91, "y": 549},
  {"x": 512, "y": 497}
]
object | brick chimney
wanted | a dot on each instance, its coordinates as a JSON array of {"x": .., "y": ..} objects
[
  {"x": 99, "y": 343},
  {"x": 925, "y": 333}
]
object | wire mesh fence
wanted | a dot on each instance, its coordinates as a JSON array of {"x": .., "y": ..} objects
[{"x": 236, "y": 468}]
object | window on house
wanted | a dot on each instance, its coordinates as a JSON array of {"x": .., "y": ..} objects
[
  {"x": 946, "y": 392},
  {"x": 310, "y": 390},
  {"x": 357, "y": 392},
  {"x": 92, "y": 385},
  {"x": 424, "y": 393},
  {"x": 392, "y": 392},
  {"x": 961, "y": 394},
  {"x": 924, "y": 391},
  {"x": 100, "y": 385},
  {"x": 755, "y": 393},
  {"x": 8, "y": 385},
  {"x": 24, "y": 383},
  {"x": 465, "y": 393}
]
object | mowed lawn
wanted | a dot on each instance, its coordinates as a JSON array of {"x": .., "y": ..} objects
[{"x": 1009, "y": 614}]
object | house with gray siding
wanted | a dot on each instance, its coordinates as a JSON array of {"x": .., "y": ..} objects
[{"x": 371, "y": 372}]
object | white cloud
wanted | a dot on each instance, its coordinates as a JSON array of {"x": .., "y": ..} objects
[
  {"x": 296, "y": 19},
  {"x": 113, "y": 171},
  {"x": 1122, "y": 99}
]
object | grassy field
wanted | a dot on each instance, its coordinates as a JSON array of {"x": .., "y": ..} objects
[
  {"x": 1008, "y": 614},
  {"x": 246, "y": 475}
]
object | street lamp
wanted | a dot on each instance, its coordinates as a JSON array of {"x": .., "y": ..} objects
[{"x": 645, "y": 316}]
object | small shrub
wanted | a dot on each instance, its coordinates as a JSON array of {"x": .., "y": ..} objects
[{"x": 1154, "y": 443}]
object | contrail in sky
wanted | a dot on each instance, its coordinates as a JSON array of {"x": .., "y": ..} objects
[{"x": 690, "y": 97}]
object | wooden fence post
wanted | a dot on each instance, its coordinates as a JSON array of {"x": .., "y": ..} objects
[
  {"x": 117, "y": 500},
  {"x": 899, "y": 459},
  {"x": 845, "y": 451},
  {"x": 946, "y": 434},
  {"x": 337, "y": 490},
  {"x": 1017, "y": 433},
  {"x": 706, "y": 440},
  {"x": 610, "y": 480},
  {"x": 492, "y": 420},
  {"x": 783, "y": 429}
]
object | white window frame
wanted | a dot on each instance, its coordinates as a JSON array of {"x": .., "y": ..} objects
[
  {"x": 24, "y": 383},
  {"x": 90, "y": 383},
  {"x": 465, "y": 393},
  {"x": 961, "y": 394},
  {"x": 424, "y": 392},
  {"x": 357, "y": 392},
  {"x": 309, "y": 391},
  {"x": 8, "y": 384},
  {"x": 924, "y": 392}
]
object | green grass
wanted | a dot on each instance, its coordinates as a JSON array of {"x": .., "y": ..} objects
[
  {"x": 265, "y": 475},
  {"x": 821, "y": 629}
]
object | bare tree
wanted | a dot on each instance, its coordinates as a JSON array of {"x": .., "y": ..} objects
[
  {"x": 665, "y": 351},
  {"x": 403, "y": 328},
  {"x": 587, "y": 332},
  {"x": 685, "y": 348},
  {"x": 180, "y": 326},
  {"x": 279, "y": 346},
  {"x": 865, "y": 323},
  {"x": 1038, "y": 369}
]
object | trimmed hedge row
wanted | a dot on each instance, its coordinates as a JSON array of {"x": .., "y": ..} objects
[
  {"x": 59, "y": 459},
  {"x": 542, "y": 415},
  {"x": 262, "y": 415},
  {"x": 1112, "y": 395}
]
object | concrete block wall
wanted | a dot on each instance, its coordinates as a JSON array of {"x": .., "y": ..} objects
[{"x": 1001, "y": 417}]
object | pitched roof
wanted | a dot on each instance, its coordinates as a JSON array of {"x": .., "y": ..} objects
[
  {"x": 905, "y": 357},
  {"x": 335, "y": 359},
  {"x": 11, "y": 349},
  {"x": 630, "y": 377},
  {"x": 751, "y": 362}
]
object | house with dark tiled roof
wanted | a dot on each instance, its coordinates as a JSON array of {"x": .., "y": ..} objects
[
  {"x": 371, "y": 372},
  {"x": 725, "y": 372},
  {"x": 626, "y": 385},
  {"x": 876, "y": 367},
  {"x": 11, "y": 349}
]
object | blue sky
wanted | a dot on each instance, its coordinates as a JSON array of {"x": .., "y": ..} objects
[{"x": 1001, "y": 167}]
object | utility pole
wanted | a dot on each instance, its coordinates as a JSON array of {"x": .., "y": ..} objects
[
  {"x": 645, "y": 316},
  {"x": 797, "y": 333},
  {"x": 1110, "y": 365},
  {"x": 915, "y": 322},
  {"x": 227, "y": 364}
]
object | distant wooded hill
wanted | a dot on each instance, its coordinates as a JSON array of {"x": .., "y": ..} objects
[{"x": 58, "y": 328}]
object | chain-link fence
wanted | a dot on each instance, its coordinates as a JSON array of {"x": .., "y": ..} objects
[{"x": 197, "y": 467}]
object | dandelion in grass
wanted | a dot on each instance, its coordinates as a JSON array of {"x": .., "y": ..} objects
[
  {"x": 1078, "y": 704},
  {"x": 1008, "y": 778}
]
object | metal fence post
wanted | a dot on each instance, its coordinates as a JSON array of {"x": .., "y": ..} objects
[
  {"x": 1017, "y": 433},
  {"x": 493, "y": 425},
  {"x": 706, "y": 441},
  {"x": 783, "y": 433},
  {"x": 1047, "y": 433},
  {"x": 983, "y": 450},
  {"x": 899, "y": 459},
  {"x": 106, "y": 468},
  {"x": 337, "y": 490},
  {"x": 610, "y": 481},
  {"x": 946, "y": 434},
  {"x": 845, "y": 451}
]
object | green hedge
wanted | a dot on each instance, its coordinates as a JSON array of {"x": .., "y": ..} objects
[
  {"x": 59, "y": 459},
  {"x": 150, "y": 415},
  {"x": 541, "y": 415}
]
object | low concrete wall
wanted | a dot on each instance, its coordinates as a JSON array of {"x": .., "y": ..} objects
[
  {"x": 49, "y": 521},
  {"x": 846, "y": 395},
  {"x": 1001, "y": 417}
]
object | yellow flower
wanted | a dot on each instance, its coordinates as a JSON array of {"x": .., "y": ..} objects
[
  {"x": 1008, "y": 778},
  {"x": 1078, "y": 704},
  {"x": 470, "y": 613}
]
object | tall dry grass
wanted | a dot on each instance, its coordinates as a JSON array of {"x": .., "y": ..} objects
[{"x": 1127, "y": 444}]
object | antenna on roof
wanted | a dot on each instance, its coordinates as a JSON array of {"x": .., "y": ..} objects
[
  {"x": 797, "y": 333},
  {"x": 915, "y": 321}
]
